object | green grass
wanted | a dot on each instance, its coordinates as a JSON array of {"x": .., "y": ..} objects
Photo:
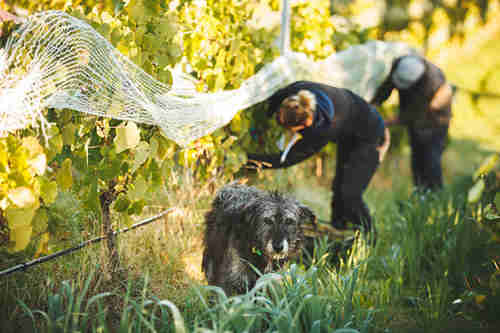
[{"x": 426, "y": 273}]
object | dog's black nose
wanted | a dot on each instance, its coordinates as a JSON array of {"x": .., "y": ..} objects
[{"x": 278, "y": 246}]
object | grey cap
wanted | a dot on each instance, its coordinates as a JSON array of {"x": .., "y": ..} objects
[{"x": 408, "y": 71}]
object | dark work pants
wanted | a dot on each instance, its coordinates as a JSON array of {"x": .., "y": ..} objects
[
  {"x": 357, "y": 161},
  {"x": 427, "y": 146}
]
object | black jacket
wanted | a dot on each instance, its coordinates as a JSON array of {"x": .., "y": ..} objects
[
  {"x": 414, "y": 102},
  {"x": 354, "y": 119}
]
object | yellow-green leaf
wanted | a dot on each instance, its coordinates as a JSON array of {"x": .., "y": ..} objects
[
  {"x": 32, "y": 145},
  {"x": 166, "y": 168},
  {"x": 22, "y": 197},
  {"x": 139, "y": 34},
  {"x": 56, "y": 143},
  {"x": 220, "y": 81},
  {"x": 235, "y": 46},
  {"x": 126, "y": 219},
  {"x": 38, "y": 164},
  {"x": 43, "y": 245},
  {"x": 236, "y": 123},
  {"x": 136, "y": 10},
  {"x": 127, "y": 137},
  {"x": 40, "y": 221},
  {"x": 137, "y": 190},
  {"x": 476, "y": 191},
  {"x": 68, "y": 134},
  {"x": 166, "y": 28},
  {"x": 20, "y": 237},
  {"x": 123, "y": 47},
  {"x": 136, "y": 208},
  {"x": 48, "y": 191},
  {"x": 4, "y": 160},
  {"x": 17, "y": 217},
  {"x": 115, "y": 36},
  {"x": 487, "y": 165},
  {"x": 64, "y": 175},
  {"x": 142, "y": 152},
  {"x": 122, "y": 203},
  {"x": 163, "y": 60}
]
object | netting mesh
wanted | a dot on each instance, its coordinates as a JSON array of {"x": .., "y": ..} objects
[{"x": 55, "y": 60}]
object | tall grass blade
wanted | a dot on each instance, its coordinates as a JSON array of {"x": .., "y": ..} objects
[{"x": 178, "y": 320}]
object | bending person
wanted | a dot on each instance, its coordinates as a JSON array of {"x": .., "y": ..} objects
[
  {"x": 322, "y": 114},
  {"x": 425, "y": 109}
]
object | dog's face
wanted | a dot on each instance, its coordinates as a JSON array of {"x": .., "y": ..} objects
[
  {"x": 249, "y": 227},
  {"x": 278, "y": 231}
]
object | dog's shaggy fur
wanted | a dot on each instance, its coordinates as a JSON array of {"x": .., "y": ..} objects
[{"x": 249, "y": 227}]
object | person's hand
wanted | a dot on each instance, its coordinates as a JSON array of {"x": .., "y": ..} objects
[
  {"x": 256, "y": 165},
  {"x": 442, "y": 97}
]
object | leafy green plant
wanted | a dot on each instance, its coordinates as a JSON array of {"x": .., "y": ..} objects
[
  {"x": 72, "y": 310},
  {"x": 484, "y": 195}
]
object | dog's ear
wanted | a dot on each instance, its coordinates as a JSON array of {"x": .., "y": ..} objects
[{"x": 307, "y": 215}]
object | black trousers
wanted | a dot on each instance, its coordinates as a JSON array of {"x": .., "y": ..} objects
[
  {"x": 427, "y": 146},
  {"x": 357, "y": 161}
]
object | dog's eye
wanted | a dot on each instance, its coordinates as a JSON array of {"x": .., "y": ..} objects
[
  {"x": 289, "y": 221},
  {"x": 268, "y": 220}
]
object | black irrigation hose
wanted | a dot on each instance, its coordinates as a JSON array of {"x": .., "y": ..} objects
[{"x": 22, "y": 267}]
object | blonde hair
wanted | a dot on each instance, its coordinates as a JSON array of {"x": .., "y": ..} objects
[{"x": 296, "y": 109}]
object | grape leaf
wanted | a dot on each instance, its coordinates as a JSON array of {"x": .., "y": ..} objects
[
  {"x": 55, "y": 146},
  {"x": 142, "y": 153},
  {"x": 20, "y": 236},
  {"x": 93, "y": 201},
  {"x": 122, "y": 203},
  {"x": 166, "y": 28},
  {"x": 31, "y": 144},
  {"x": 127, "y": 137},
  {"x": 137, "y": 190},
  {"x": 4, "y": 160},
  {"x": 136, "y": 10},
  {"x": 38, "y": 164},
  {"x": 22, "y": 197},
  {"x": 64, "y": 175},
  {"x": 48, "y": 191},
  {"x": 68, "y": 134},
  {"x": 487, "y": 165},
  {"x": 136, "y": 208},
  {"x": 18, "y": 217},
  {"x": 40, "y": 221},
  {"x": 43, "y": 245},
  {"x": 125, "y": 219},
  {"x": 475, "y": 191}
]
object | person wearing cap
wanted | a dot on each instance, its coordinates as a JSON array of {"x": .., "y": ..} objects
[
  {"x": 319, "y": 114},
  {"x": 425, "y": 109}
]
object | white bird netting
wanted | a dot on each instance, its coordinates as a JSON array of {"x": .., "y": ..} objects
[{"x": 55, "y": 60}]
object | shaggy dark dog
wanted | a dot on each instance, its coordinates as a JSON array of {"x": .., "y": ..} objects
[{"x": 248, "y": 227}]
